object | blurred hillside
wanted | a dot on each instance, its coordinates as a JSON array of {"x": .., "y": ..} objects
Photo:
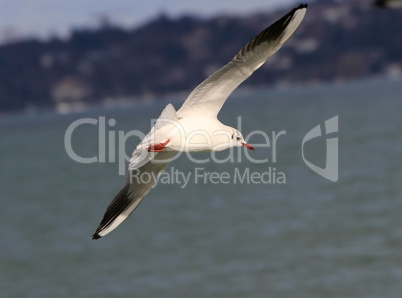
[{"x": 336, "y": 41}]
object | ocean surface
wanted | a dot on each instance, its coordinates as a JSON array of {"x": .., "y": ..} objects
[{"x": 237, "y": 228}]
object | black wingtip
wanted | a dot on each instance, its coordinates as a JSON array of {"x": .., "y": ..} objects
[
  {"x": 96, "y": 236},
  {"x": 272, "y": 33},
  {"x": 302, "y": 6}
]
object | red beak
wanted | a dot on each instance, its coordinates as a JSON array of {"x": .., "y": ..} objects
[{"x": 248, "y": 146}]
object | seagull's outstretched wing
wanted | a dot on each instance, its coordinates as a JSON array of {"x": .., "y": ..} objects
[
  {"x": 144, "y": 170},
  {"x": 208, "y": 98},
  {"x": 139, "y": 182}
]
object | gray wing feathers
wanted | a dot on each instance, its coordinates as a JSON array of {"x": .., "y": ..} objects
[
  {"x": 209, "y": 97},
  {"x": 138, "y": 183}
]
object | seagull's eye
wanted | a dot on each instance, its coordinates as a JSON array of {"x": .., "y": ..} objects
[{"x": 238, "y": 138}]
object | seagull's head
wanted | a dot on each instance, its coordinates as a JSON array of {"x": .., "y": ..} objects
[{"x": 238, "y": 140}]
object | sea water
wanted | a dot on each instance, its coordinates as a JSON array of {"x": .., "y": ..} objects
[{"x": 297, "y": 234}]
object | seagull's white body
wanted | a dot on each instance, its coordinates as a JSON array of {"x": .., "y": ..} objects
[
  {"x": 187, "y": 134},
  {"x": 195, "y": 127}
]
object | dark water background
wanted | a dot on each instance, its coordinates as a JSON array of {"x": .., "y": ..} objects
[{"x": 309, "y": 237}]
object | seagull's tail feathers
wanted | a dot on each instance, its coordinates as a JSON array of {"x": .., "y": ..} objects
[
  {"x": 168, "y": 114},
  {"x": 165, "y": 126}
]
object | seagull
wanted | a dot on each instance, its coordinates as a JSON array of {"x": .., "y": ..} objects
[
  {"x": 195, "y": 126},
  {"x": 388, "y": 3}
]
